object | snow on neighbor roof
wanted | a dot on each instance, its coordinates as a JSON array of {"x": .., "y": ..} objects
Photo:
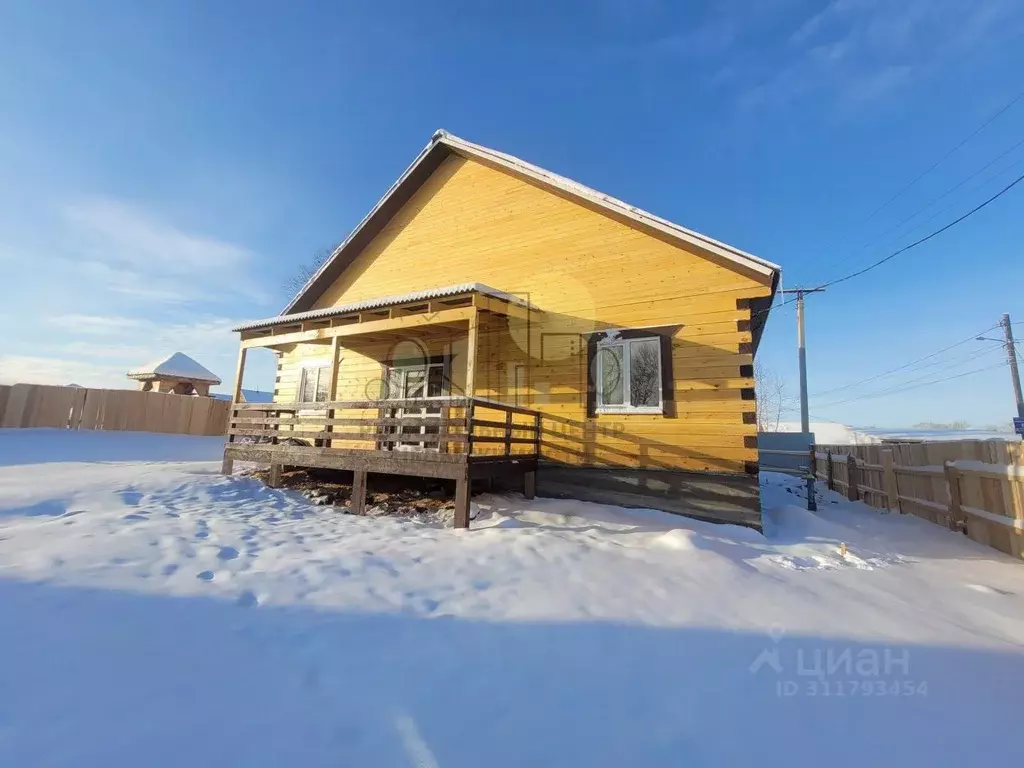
[
  {"x": 422, "y": 167},
  {"x": 177, "y": 366},
  {"x": 385, "y": 301},
  {"x": 248, "y": 396}
]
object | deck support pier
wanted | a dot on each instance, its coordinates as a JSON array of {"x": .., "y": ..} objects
[
  {"x": 227, "y": 466},
  {"x": 483, "y": 455},
  {"x": 462, "y": 494},
  {"x": 357, "y": 504},
  {"x": 274, "y": 480},
  {"x": 529, "y": 484}
]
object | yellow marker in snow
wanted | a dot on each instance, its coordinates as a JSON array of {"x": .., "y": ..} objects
[{"x": 842, "y": 548}]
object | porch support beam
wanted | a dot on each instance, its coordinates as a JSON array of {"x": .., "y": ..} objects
[
  {"x": 460, "y": 314},
  {"x": 472, "y": 339},
  {"x": 332, "y": 392},
  {"x": 227, "y": 466},
  {"x": 357, "y": 503},
  {"x": 274, "y": 478},
  {"x": 529, "y": 484},
  {"x": 462, "y": 494},
  {"x": 499, "y": 307},
  {"x": 239, "y": 371}
]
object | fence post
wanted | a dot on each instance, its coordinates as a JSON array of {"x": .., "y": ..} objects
[
  {"x": 830, "y": 472},
  {"x": 812, "y": 471},
  {"x": 955, "y": 504},
  {"x": 852, "y": 477},
  {"x": 892, "y": 488}
]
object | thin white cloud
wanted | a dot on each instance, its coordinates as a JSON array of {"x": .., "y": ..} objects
[
  {"x": 29, "y": 369},
  {"x": 129, "y": 235},
  {"x": 99, "y": 350},
  {"x": 110, "y": 286},
  {"x": 860, "y": 52},
  {"x": 137, "y": 255}
]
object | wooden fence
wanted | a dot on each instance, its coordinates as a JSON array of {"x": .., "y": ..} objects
[
  {"x": 972, "y": 486},
  {"x": 40, "y": 405}
]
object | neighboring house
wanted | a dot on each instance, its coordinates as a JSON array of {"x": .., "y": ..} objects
[
  {"x": 484, "y": 296},
  {"x": 178, "y": 374}
]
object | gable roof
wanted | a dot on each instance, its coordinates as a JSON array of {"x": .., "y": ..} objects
[
  {"x": 177, "y": 366},
  {"x": 442, "y": 145}
]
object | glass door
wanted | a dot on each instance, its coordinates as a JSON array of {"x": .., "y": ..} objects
[{"x": 419, "y": 382}]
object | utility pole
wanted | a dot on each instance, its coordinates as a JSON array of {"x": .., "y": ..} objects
[
  {"x": 805, "y": 414},
  {"x": 1011, "y": 360}
]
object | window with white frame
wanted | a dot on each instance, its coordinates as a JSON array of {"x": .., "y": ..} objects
[
  {"x": 629, "y": 375},
  {"x": 314, "y": 382}
]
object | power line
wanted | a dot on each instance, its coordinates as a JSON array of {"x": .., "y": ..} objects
[
  {"x": 926, "y": 238},
  {"x": 956, "y": 363},
  {"x": 946, "y": 156},
  {"x": 901, "y": 389},
  {"x": 932, "y": 167},
  {"x": 950, "y": 191},
  {"x": 877, "y": 376},
  {"x": 903, "y": 384},
  {"x": 975, "y": 188},
  {"x": 905, "y": 248}
]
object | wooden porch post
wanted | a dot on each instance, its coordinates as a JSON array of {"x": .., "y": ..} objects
[
  {"x": 332, "y": 386},
  {"x": 463, "y": 489},
  {"x": 238, "y": 374},
  {"x": 472, "y": 340},
  {"x": 274, "y": 480},
  {"x": 357, "y": 504},
  {"x": 462, "y": 494},
  {"x": 529, "y": 484},
  {"x": 227, "y": 466}
]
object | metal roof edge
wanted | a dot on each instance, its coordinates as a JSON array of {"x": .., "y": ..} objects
[
  {"x": 434, "y": 140},
  {"x": 442, "y": 137},
  {"x": 383, "y": 301},
  {"x": 608, "y": 202}
]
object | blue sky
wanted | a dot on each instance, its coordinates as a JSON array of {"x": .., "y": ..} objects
[{"x": 153, "y": 153}]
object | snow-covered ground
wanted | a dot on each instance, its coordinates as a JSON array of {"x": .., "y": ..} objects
[{"x": 156, "y": 613}]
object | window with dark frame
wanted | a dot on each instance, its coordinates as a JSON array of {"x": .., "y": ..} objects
[{"x": 629, "y": 377}]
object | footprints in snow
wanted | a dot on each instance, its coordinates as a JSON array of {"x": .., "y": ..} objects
[{"x": 985, "y": 589}]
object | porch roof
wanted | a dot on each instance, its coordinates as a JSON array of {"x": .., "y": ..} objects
[{"x": 385, "y": 301}]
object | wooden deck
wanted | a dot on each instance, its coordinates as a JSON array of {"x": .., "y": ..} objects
[{"x": 455, "y": 438}]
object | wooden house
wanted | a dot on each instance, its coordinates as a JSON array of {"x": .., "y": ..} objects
[{"x": 489, "y": 318}]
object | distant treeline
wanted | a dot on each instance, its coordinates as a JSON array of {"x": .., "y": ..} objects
[
  {"x": 939, "y": 425},
  {"x": 959, "y": 425}
]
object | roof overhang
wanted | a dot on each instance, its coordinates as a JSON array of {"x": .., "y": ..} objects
[
  {"x": 450, "y": 294},
  {"x": 153, "y": 376},
  {"x": 442, "y": 145}
]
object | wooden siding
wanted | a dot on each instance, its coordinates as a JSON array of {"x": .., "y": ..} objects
[{"x": 586, "y": 272}]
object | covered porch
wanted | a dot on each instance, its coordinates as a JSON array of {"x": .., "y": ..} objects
[{"x": 393, "y": 390}]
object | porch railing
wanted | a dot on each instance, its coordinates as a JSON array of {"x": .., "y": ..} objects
[{"x": 478, "y": 428}]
